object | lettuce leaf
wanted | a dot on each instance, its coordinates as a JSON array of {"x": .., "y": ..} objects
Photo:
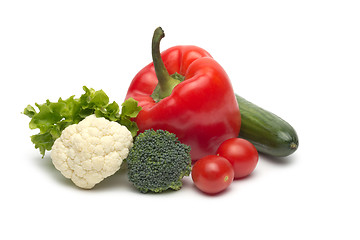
[{"x": 53, "y": 117}]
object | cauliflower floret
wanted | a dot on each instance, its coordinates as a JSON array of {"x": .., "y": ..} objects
[{"x": 91, "y": 150}]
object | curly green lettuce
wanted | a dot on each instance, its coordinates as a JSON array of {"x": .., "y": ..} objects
[{"x": 53, "y": 117}]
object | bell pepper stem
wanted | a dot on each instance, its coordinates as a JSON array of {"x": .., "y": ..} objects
[{"x": 166, "y": 83}]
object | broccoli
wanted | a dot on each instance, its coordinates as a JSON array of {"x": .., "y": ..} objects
[{"x": 158, "y": 161}]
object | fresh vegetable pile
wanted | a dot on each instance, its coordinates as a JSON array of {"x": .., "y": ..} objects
[{"x": 180, "y": 116}]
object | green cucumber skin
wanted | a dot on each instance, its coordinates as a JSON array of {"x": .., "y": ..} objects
[{"x": 267, "y": 132}]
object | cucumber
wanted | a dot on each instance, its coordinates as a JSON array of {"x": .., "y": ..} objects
[{"x": 267, "y": 132}]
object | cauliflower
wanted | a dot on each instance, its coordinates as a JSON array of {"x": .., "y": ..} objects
[{"x": 91, "y": 150}]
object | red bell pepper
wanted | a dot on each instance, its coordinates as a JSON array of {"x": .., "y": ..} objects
[{"x": 186, "y": 92}]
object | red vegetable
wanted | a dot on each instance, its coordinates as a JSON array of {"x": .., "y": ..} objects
[
  {"x": 212, "y": 174},
  {"x": 242, "y": 155},
  {"x": 187, "y": 93}
]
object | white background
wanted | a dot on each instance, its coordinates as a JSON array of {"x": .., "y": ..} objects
[{"x": 298, "y": 59}]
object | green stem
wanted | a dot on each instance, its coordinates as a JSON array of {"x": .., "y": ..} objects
[{"x": 166, "y": 83}]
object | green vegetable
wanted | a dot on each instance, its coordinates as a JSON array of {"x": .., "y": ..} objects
[
  {"x": 53, "y": 117},
  {"x": 269, "y": 133},
  {"x": 158, "y": 161}
]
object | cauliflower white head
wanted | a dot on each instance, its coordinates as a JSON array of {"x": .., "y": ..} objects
[{"x": 91, "y": 150}]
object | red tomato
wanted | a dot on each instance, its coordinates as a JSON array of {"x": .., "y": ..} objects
[
  {"x": 242, "y": 155},
  {"x": 212, "y": 174}
]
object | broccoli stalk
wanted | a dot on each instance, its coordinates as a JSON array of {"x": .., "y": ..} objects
[{"x": 158, "y": 161}]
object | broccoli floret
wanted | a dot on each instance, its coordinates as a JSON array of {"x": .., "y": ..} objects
[{"x": 158, "y": 161}]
